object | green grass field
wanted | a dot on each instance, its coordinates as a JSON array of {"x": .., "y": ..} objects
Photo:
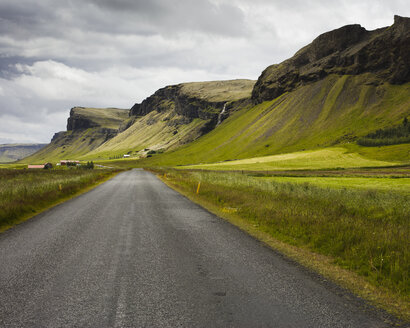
[
  {"x": 13, "y": 165},
  {"x": 329, "y": 158},
  {"x": 24, "y": 193},
  {"x": 365, "y": 230},
  {"x": 394, "y": 184}
]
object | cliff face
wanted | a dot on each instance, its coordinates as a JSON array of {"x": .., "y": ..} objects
[
  {"x": 349, "y": 50},
  {"x": 82, "y": 118},
  {"x": 87, "y": 129},
  {"x": 76, "y": 121},
  {"x": 183, "y": 104},
  {"x": 203, "y": 100}
]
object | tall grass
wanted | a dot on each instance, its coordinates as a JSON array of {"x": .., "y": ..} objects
[
  {"x": 27, "y": 191},
  {"x": 364, "y": 231}
]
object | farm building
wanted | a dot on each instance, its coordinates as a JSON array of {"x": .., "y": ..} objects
[
  {"x": 32, "y": 166},
  {"x": 40, "y": 166}
]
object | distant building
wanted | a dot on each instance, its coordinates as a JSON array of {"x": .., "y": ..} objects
[
  {"x": 31, "y": 166},
  {"x": 41, "y": 166},
  {"x": 126, "y": 155}
]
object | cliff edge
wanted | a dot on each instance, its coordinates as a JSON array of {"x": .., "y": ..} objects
[{"x": 349, "y": 50}]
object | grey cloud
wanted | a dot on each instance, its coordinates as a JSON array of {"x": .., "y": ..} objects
[
  {"x": 153, "y": 7},
  {"x": 174, "y": 16},
  {"x": 8, "y": 68},
  {"x": 28, "y": 19},
  {"x": 23, "y": 19},
  {"x": 80, "y": 32}
]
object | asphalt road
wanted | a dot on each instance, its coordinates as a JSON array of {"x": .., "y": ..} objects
[{"x": 134, "y": 253}]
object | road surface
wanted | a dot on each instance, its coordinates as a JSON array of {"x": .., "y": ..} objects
[{"x": 134, "y": 253}]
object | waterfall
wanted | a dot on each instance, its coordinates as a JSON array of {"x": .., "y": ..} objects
[{"x": 220, "y": 115}]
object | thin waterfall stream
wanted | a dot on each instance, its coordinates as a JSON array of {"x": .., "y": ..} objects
[{"x": 220, "y": 115}]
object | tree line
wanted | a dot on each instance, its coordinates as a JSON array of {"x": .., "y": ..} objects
[{"x": 388, "y": 136}]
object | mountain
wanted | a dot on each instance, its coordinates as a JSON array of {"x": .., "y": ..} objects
[
  {"x": 172, "y": 116},
  {"x": 345, "y": 84},
  {"x": 176, "y": 115},
  {"x": 87, "y": 128},
  {"x": 349, "y": 50},
  {"x": 15, "y": 152}
]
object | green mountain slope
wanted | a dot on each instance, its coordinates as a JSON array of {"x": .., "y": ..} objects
[
  {"x": 87, "y": 128},
  {"x": 347, "y": 83},
  {"x": 174, "y": 116},
  {"x": 335, "y": 110}
]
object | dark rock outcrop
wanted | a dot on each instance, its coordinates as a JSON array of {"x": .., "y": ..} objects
[
  {"x": 58, "y": 135},
  {"x": 76, "y": 121},
  {"x": 350, "y": 50},
  {"x": 102, "y": 124},
  {"x": 172, "y": 97}
]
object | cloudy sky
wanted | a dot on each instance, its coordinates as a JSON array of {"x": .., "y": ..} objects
[{"x": 56, "y": 54}]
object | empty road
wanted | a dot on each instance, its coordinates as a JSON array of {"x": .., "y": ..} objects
[{"x": 134, "y": 253}]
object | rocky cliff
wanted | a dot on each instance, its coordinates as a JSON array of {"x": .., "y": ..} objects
[
  {"x": 176, "y": 115},
  {"x": 87, "y": 129},
  {"x": 76, "y": 121},
  {"x": 349, "y": 50},
  {"x": 203, "y": 100},
  {"x": 82, "y": 118}
]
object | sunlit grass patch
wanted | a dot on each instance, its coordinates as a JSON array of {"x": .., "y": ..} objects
[{"x": 328, "y": 158}]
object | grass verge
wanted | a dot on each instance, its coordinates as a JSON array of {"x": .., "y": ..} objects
[
  {"x": 359, "y": 239},
  {"x": 25, "y": 193}
]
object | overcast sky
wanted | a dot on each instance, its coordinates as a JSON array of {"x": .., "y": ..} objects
[{"x": 55, "y": 55}]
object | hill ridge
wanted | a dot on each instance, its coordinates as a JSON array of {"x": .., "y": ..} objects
[{"x": 350, "y": 50}]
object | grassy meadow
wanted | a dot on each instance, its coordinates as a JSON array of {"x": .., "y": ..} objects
[
  {"x": 328, "y": 158},
  {"x": 24, "y": 193},
  {"x": 401, "y": 185},
  {"x": 365, "y": 231}
]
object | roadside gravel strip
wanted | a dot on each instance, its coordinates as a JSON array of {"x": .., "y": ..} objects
[{"x": 134, "y": 253}]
